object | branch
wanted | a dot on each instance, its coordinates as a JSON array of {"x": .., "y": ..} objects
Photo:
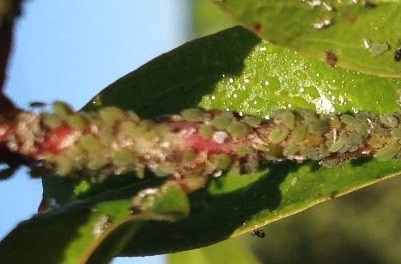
[{"x": 193, "y": 145}]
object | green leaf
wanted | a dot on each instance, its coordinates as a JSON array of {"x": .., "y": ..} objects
[
  {"x": 362, "y": 35},
  {"x": 235, "y": 70},
  {"x": 208, "y": 19},
  {"x": 93, "y": 231},
  {"x": 230, "y": 251}
]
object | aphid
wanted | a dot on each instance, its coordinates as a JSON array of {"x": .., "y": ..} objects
[
  {"x": 259, "y": 233},
  {"x": 278, "y": 134},
  {"x": 389, "y": 120},
  {"x": 331, "y": 58},
  {"x": 252, "y": 121},
  {"x": 237, "y": 129},
  {"x": 322, "y": 24},
  {"x": 221, "y": 122},
  {"x": 386, "y": 153},
  {"x": 62, "y": 109},
  {"x": 77, "y": 121},
  {"x": 192, "y": 115},
  {"x": 298, "y": 134},
  {"x": 222, "y": 161},
  {"x": 285, "y": 117},
  {"x": 206, "y": 131},
  {"x": 112, "y": 114}
]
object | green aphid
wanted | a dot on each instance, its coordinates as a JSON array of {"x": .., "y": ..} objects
[
  {"x": 106, "y": 135},
  {"x": 350, "y": 122},
  {"x": 228, "y": 114},
  {"x": 396, "y": 132},
  {"x": 238, "y": 129},
  {"x": 192, "y": 115},
  {"x": 389, "y": 120},
  {"x": 52, "y": 120},
  {"x": 335, "y": 122},
  {"x": 319, "y": 126},
  {"x": 129, "y": 128},
  {"x": 375, "y": 141},
  {"x": 221, "y": 161},
  {"x": 329, "y": 163},
  {"x": 378, "y": 48},
  {"x": 307, "y": 115},
  {"x": 242, "y": 150},
  {"x": 291, "y": 150},
  {"x": 140, "y": 171},
  {"x": 97, "y": 162},
  {"x": 337, "y": 145},
  {"x": 163, "y": 169},
  {"x": 362, "y": 129},
  {"x": 63, "y": 165},
  {"x": 90, "y": 143},
  {"x": 77, "y": 155},
  {"x": 188, "y": 156},
  {"x": 273, "y": 152},
  {"x": 298, "y": 134},
  {"x": 206, "y": 131},
  {"x": 112, "y": 114},
  {"x": 252, "y": 121},
  {"x": 62, "y": 109},
  {"x": 124, "y": 160},
  {"x": 278, "y": 134},
  {"x": 354, "y": 141},
  {"x": 132, "y": 116},
  {"x": 311, "y": 153},
  {"x": 221, "y": 122},
  {"x": 235, "y": 168},
  {"x": 388, "y": 152},
  {"x": 77, "y": 121},
  {"x": 285, "y": 117}
]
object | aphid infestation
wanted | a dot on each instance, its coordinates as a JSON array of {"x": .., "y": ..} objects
[{"x": 194, "y": 144}]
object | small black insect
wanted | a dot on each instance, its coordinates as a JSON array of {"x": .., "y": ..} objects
[
  {"x": 259, "y": 233},
  {"x": 37, "y": 104},
  {"x": 397, "y": 54}
]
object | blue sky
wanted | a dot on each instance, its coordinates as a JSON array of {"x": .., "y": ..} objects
[{"x": 70, "y": 50}]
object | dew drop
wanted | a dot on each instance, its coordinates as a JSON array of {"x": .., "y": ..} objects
[
  {"x": 266, "y": 82},
  {"x": 322, "y": 24},
  {"x": 219, "y": 137}
]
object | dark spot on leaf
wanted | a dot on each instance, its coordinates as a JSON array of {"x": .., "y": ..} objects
[
  {"x": 331, "y": 58},
  {"x": 369, "y": 4},
  {"x": 351, "y": 18},
  {"x": 333, "y": 195},
  {"x": 257, "y": 28}
]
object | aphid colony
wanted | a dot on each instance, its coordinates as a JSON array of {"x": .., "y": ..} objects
[{"x": 196, "y": 144}]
